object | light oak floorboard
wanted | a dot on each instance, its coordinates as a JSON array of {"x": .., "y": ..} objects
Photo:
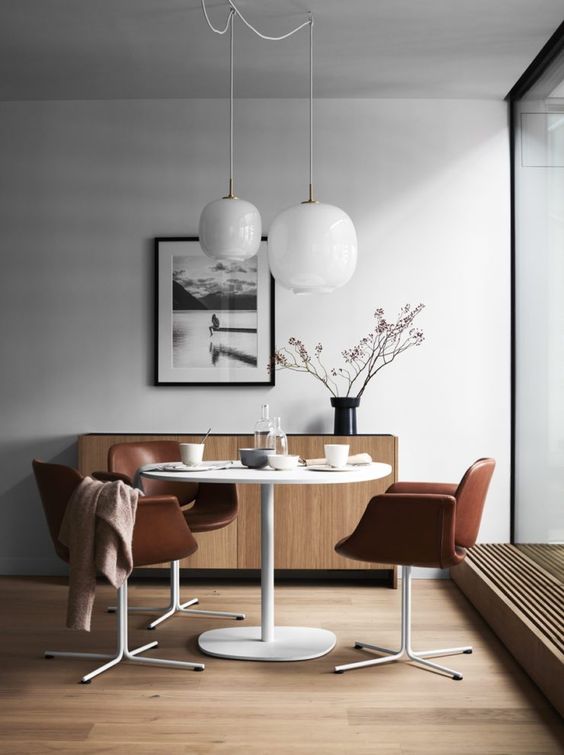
[{"x": 245, "y": 708}]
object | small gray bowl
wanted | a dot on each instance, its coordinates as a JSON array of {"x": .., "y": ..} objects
[{"x": 255, "y": 458}]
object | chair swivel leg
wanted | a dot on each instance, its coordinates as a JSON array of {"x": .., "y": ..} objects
[
  {"x": 406, "y": 653},
  {"x": 123, "y": 653},
  {"x": 176, "y": 607}
]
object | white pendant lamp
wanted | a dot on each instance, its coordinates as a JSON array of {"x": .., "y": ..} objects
[
  {"x": 312, "y": 247},
  {"x": 230, "y": 228}
]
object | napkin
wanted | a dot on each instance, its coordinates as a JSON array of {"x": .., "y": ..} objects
[{"x": 354, "y": 460}]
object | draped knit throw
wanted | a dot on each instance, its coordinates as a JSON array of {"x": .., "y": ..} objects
[{"x": 97, "y": 528}]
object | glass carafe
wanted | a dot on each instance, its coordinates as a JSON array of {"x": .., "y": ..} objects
[
  {"x": 263, "y": 428},
  {"x": 277, "y": 438}
]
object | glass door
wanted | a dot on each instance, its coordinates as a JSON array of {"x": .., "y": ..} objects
[{"x": 538, "y": 122}]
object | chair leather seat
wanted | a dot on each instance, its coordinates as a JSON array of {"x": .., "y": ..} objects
[
  {"x": 160, "y": 532},
  {"x": 349, "y": 549},
  {"x": 210, "y": 517},
  {"x": 213, "y": 505},
  {"x": 421, "y": 524}
]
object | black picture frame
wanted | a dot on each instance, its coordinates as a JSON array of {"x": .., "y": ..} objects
[{"x": 228, "y": 365}]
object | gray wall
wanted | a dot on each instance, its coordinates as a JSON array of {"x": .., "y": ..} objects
[{"x": 84, "y": 186}]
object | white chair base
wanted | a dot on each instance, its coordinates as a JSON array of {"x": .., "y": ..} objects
[
  {"x": 405, "y": 653},
  {"x": 123, "y": 653},
  {"x": 176, "y": 607}
]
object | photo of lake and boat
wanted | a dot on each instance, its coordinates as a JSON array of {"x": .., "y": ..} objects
[{"x": 214, "y": 318}]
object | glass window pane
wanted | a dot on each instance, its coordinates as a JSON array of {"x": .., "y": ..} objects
[{"x": 539, "y": 310}]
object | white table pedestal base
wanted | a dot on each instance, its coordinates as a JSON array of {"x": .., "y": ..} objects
[{"x": 288, "y": 644}]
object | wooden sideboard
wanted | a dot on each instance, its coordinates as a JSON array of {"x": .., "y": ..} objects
[{"x": 309, "y": 520}]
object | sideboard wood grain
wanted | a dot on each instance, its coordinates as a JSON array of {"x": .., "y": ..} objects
[{"x": 309, "y": 519}]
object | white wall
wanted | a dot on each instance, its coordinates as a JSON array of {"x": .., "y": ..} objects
[{"x": 84, "y": 186}]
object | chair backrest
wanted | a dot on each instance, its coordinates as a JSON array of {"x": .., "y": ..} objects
[
  {"x": 56, "y": 484},
  {"x": 126, "y": 458},
  {"x": 470, "y": 499}
]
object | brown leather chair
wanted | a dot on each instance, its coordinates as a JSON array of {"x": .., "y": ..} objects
[
  {"x": 213, "y": 506},
  {"x": 160, "y": 534},
  {"x": 419, "y": 524}
]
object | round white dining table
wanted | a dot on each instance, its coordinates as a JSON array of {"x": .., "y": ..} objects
[{"x": 270, "y": 642}]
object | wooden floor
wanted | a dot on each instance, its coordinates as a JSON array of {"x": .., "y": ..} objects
[{"x": 253, "y": 708}]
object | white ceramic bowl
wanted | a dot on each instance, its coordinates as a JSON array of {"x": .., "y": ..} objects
[{"x": 283, "y": 462}]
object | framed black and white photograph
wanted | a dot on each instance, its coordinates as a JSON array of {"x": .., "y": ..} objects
[{"x": 214, "y": 319}]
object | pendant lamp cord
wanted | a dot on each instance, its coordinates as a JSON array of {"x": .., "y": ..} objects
[
  {"x": 234, "y": 11},
  {"x": 231, "y": 20},
  {"x": 311, "y": 199}
]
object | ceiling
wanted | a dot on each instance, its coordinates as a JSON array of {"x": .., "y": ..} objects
[{"x": 160, "y": 49}]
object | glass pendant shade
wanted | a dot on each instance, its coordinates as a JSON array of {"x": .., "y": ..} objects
[
  {"x": 312, "y": 248},
  {"x": 230, "y": 229}
]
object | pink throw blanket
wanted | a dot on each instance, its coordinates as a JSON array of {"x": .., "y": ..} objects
[{"x": 97, "y": 528}]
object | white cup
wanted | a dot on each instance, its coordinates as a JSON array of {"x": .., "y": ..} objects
[
  {"x": 192, "y": 453},
  {"x": 337, "y": 454}
]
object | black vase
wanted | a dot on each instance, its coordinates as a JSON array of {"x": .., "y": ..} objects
[{"x": 345, "y": 415}]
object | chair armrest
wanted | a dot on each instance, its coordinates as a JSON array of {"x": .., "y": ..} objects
[
  {"x": 440, "y": 488},
  {"x": 161, "y": 532},
  {"x": 404, "y": 528},
  {"x": 111, "y": 477}
]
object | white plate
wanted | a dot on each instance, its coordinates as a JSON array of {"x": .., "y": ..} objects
[
  {"x": 327, "y": 468},
  {"x": 180, "y": 467}
]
